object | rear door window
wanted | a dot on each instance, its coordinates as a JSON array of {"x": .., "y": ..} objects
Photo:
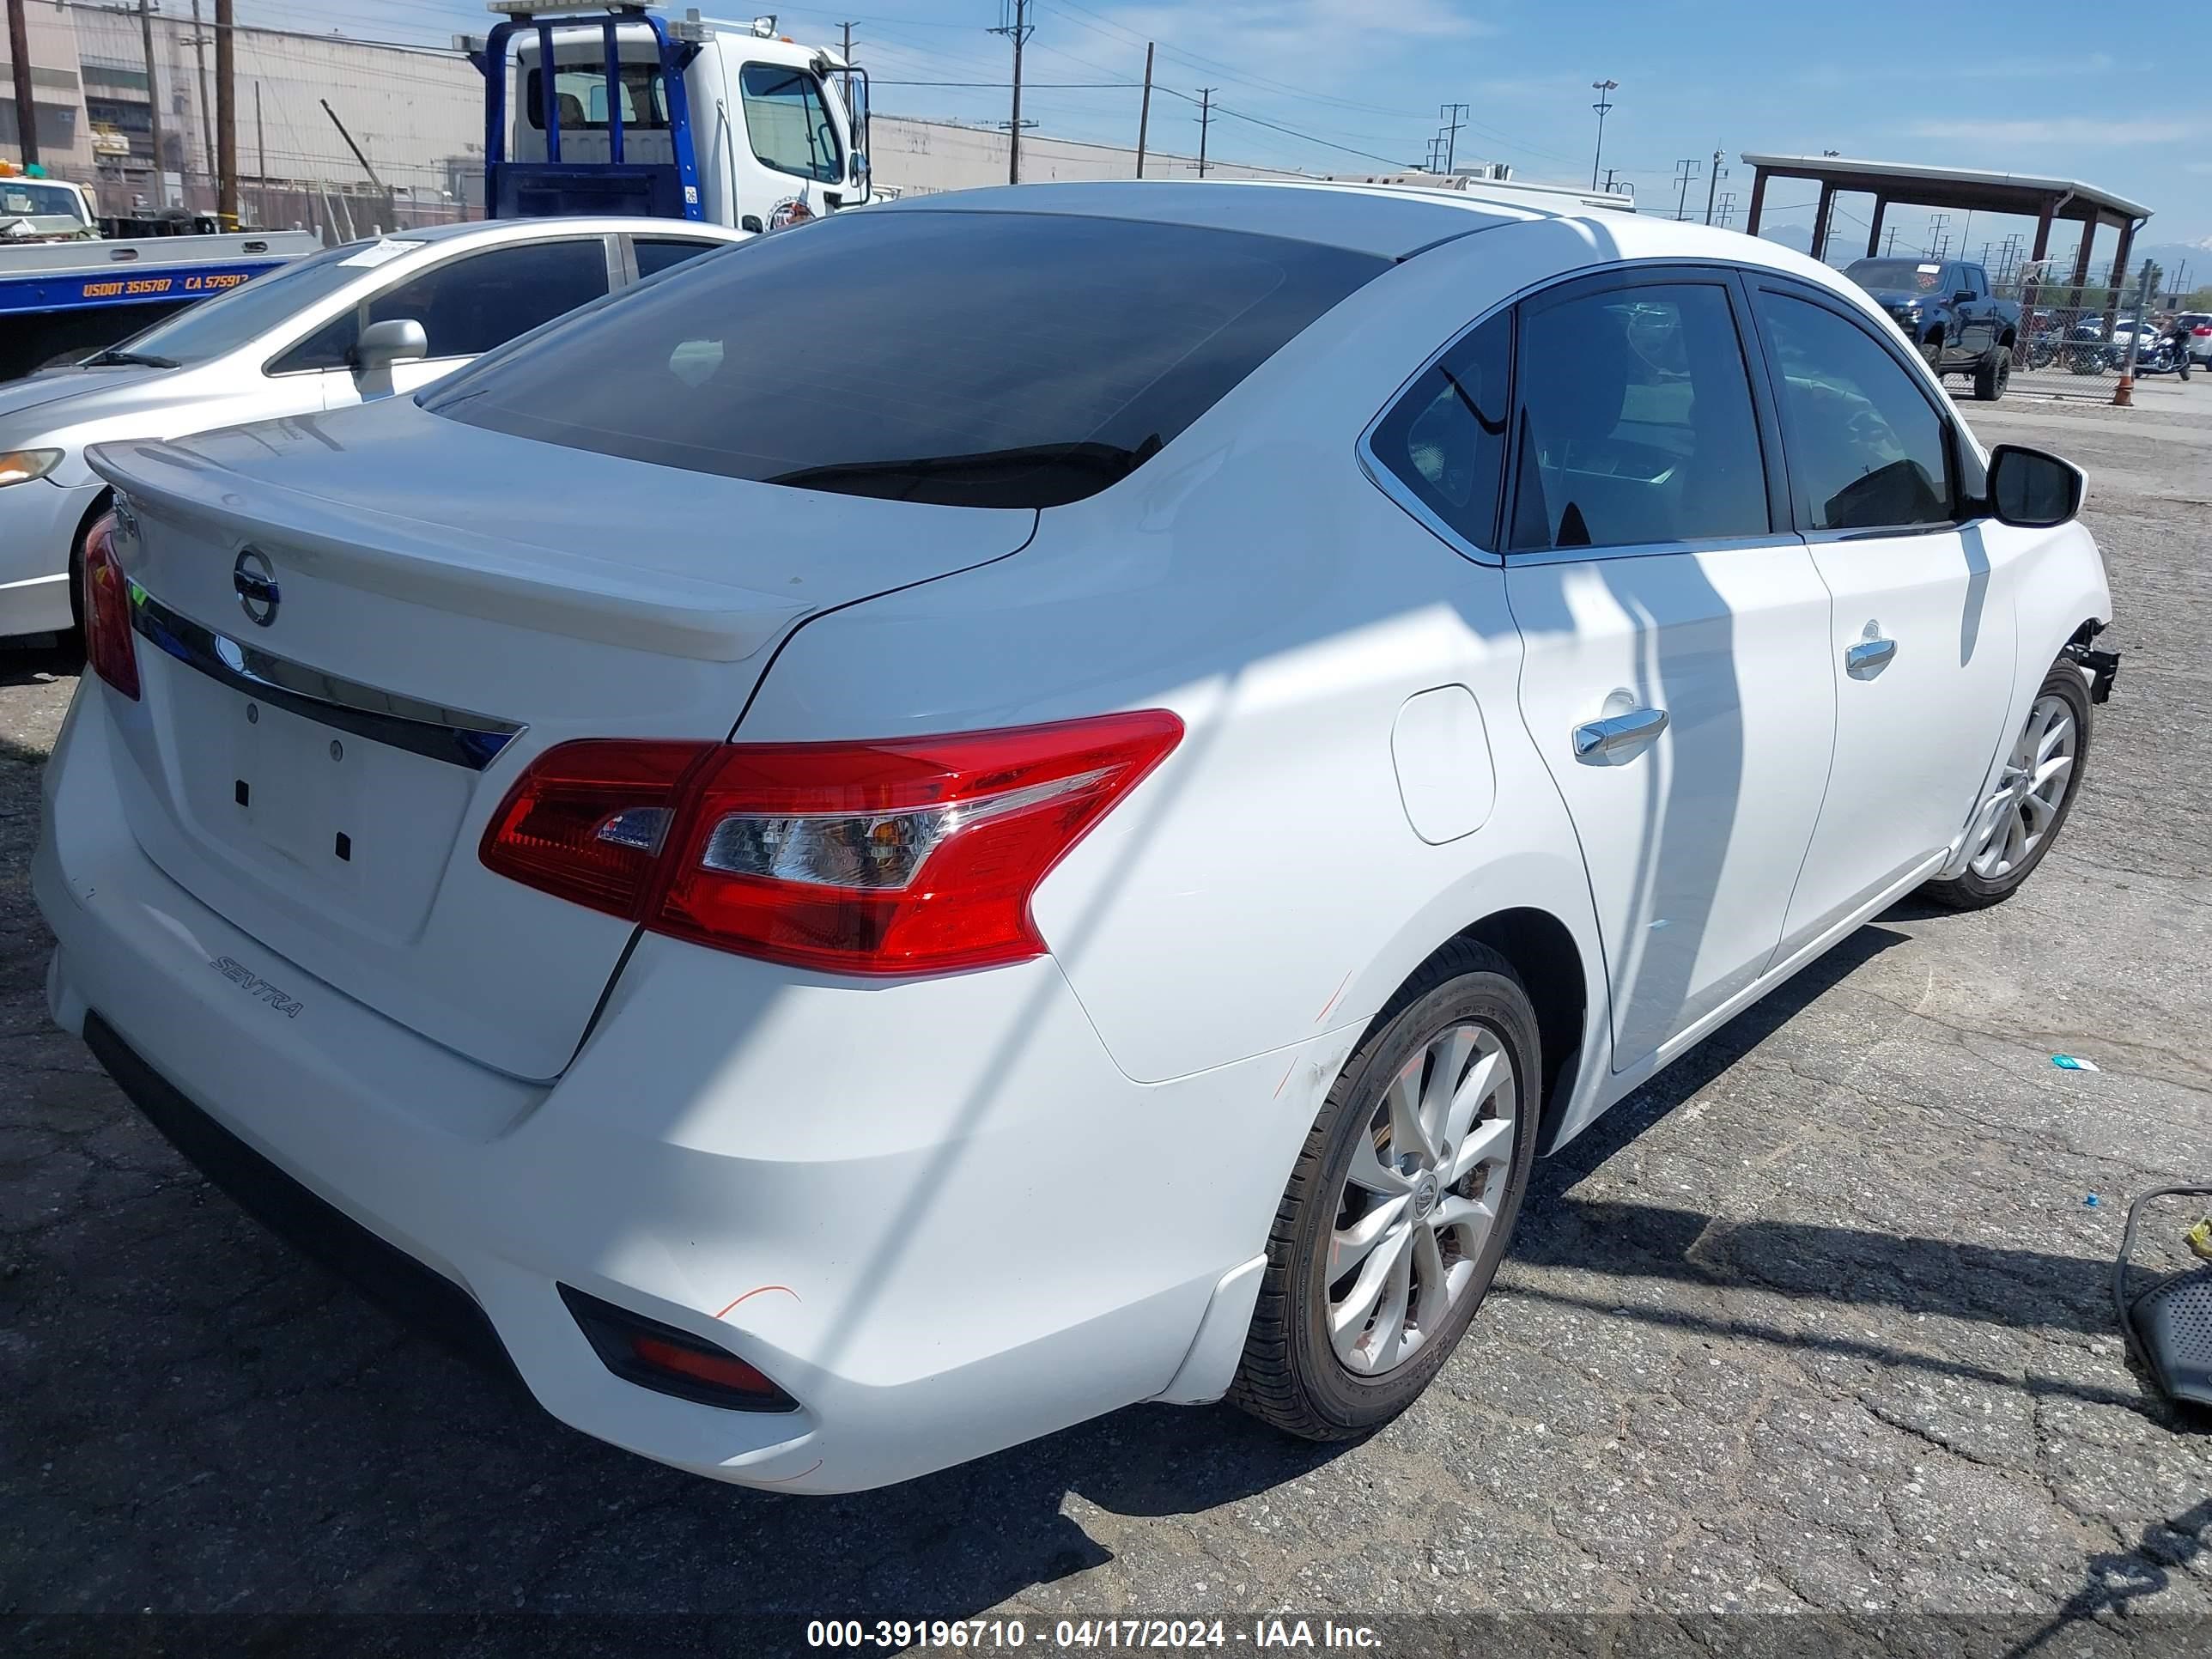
[
  {"x": 981, "y": 359},
  {"x": 1636, "y": 423},
  {"x": 655, "y": 254}
]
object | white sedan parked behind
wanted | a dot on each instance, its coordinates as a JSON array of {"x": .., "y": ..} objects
[
  {"x": 342, "y": 327},
  {"x": 1035, "y": 800}
]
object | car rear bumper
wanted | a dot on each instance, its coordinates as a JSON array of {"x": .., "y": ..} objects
[{"x": 935, "y": 1213}]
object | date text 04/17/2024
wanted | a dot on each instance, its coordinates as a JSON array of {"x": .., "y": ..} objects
[{"x": 1011, "y": 1635}]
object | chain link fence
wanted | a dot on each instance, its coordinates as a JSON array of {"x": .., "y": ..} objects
[{"x": 2075, "y": 332}]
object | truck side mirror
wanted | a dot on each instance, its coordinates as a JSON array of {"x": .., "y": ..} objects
[
  {"x": 2032, "y": 489},
  {"x": 397, "y": 339},
  {"x": 1964, "y": 296}
]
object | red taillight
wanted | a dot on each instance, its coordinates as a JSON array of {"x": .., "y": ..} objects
[
  {"x": 107, "y": 639},
  {"x": 587, "y": 820},
  {"x": 2202, "y": 329},
  {"x": 904, "y": 856}
]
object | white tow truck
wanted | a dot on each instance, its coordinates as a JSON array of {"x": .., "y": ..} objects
[{"x": 733, "y": 124}]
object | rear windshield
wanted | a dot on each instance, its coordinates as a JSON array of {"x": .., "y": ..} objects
[{"x": 969, "y": 359}]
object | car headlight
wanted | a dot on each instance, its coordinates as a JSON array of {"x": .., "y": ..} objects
[{"x": 20, "y": 466}]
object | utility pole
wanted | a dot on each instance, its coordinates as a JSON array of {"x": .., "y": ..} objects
[
  {"x": 1455, "y": 114},
  {"x": 1018, "y": 30},
  {"x": 1728, "y": 208},
  {"x": 207, "y": 118},
  {"x": 260, "y": 146},
  {"x": 1144, "y": 111},
  {"x": 1205, "y": 120},
  {"x": 848, "y": 27},
  {"x": 153, "y": 101},
  {"x": 1891, "y": 247},
  {"x": 226, "y": 118},
  {"x": 1686, "y": 172},
  {"x": 1713, "y": 185},
  {"x": 1609, "y": 172},
  {"x": 1935, "y": 223},
  {"x": 1602, "y": 88},
  {"x": 19, "y": 58}
]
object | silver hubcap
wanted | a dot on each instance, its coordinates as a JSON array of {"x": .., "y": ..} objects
[
  {"x": 2019, "y": 812},
  {"x": 1420, "y": 1198}
]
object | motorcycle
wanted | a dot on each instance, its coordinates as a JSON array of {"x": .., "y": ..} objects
[{"x": 2157, "y": 357}]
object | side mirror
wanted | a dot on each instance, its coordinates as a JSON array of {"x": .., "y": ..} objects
[
  {"x": 752, "y": 222},
  {"x": 2032, "y": 489},
  {"x": 398, "y": 339},
  {"x": 1964, "y": 296}
]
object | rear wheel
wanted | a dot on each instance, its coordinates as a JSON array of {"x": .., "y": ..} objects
[
  {"x": 1400, "y": 1205},
  {"x": 1993, "y": 374},
  {"x": 2028, "y": 807}
]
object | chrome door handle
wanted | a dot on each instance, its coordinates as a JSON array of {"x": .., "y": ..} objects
[
  {"x": 1618, "y": 738},
  {"x": 1868, "y": 657}
]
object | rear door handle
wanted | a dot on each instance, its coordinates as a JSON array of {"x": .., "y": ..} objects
[
  {"x": 1867, "y": 659},
  {"x": 1618, "y": 738}
]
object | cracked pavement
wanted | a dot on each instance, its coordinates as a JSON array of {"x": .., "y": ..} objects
[{"x": 1820, "y": 1319}]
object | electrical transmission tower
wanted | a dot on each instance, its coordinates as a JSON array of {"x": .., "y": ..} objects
[
  {"x": 1455, "y": 115},
  {"x": 1685, "y": 173}
]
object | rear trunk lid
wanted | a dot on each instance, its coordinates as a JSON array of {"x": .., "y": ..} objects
[{"x": 354, "y": 631}]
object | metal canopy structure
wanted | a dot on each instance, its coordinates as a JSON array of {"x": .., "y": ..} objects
[{"x": 1960, "y": 189}]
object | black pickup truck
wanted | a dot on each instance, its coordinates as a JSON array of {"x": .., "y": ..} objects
[{"x": 1946, "y": 310}]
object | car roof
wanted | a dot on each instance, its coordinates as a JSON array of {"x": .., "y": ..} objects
[
  {"x": 580, "y": 225},
  {"x": 1381, "y": 220},
  {"x": 1391, "y": 221}
]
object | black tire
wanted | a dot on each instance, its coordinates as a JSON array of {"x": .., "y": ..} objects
[
  {"x": 1931, "y": 353},
  {"x": 1970, "y": 891},
  {"x": 1291, "y": 1376},
  {"x": 1993, "y": 374}
]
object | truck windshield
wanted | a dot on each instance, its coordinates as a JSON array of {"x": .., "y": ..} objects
[
  {"x": 208, "y": 328},
  {"x": 28, "y": 199},
  {"x": 992, "y": 359},
  {"x": 1910, "y": 276}
]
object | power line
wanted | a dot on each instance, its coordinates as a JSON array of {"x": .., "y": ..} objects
[{"x": 1276, "y": 126}]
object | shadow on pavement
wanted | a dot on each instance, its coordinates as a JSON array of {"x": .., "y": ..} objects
[{"x": 420, "y": 1458}]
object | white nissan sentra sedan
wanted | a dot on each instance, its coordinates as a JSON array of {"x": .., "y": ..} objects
[
  {"x": 1035, "y": 800},
  {"x": 344, "y": 326}
]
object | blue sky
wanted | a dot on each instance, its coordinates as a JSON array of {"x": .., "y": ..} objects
[{"x": 2033, "y": 86}]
